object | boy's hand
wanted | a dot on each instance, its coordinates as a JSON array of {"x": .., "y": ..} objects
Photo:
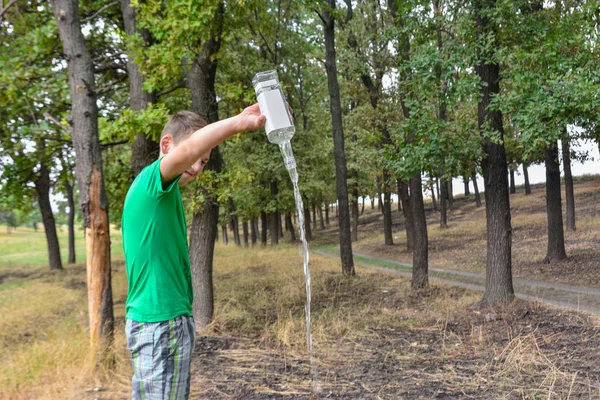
[{"x": 251, "y": 119}]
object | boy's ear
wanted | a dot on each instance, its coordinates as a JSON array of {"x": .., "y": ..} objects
[{"x": 165, "y": 143}]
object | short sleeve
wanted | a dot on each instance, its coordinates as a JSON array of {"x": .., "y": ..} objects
[{"x": 151, "y": 181}]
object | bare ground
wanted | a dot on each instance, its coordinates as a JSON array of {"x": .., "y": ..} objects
[{"x": 462, "y": 245}]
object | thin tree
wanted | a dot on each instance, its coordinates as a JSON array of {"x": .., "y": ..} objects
[
  {"x": 498, "y": 283},
  {"x": 92, "y": 195},
  {"x": 341, "y": 173}
]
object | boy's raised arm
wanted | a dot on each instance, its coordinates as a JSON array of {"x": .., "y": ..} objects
[{"x": 182, "y": 157}]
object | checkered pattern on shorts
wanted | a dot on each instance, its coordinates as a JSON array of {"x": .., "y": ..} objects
[{"x": 161, "y": 354}]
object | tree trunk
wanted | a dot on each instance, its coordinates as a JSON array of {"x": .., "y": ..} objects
[
  {"x": 201, "y": 82},
  {"x": 450, "y": 193},
  {"x": 362, "y": 208},
  {"x": 144, "y": 150},
  {"x": 263, "y": 228},
  {"x": 569, "y": 192},
  {"x": 443, "y": 204},
  {"x": 398, "y": 183},
  {"x": 90, "y": 179},
  {"x": 245, "y": 232},
  {"x": 526, "y": 175},
  {"x": 253, "y": 236},
  {"x": 433, "y": 199},
  {"x": 71, "y": 223},
  {"x": 307, "y": 229},
  {"x": 224, "y": 233},
  {"x": 273, "y": 218},
  {"x": 292, "y": 230},
  {"x": 280, "y": 224},
  {"x": 42, "y": 188},
  {"x": 420, "y": 270},
  {"x": 556, "y": 237},
  {"x": 476, "y": 189},
  {"x": 341, "y": 173},
  {"x": 354, "y": 208},
  {"x": 314, "y": 215},
  {"x": 326, "y": 214},
  {"x": 321, "y": 220},
  {"x": 408, "y": 216},
  {"x": 498, "y": 284},
  {"x": 466, "y": 180},
  {"x": 513, "y": 188},
  {"x": 234, "y": 223},
  {"x": 387, "y": 219},
  {"x": 372, "y": 202}
]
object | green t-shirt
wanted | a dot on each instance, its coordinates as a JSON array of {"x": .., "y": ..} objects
[{"x": 156, "y": 249}]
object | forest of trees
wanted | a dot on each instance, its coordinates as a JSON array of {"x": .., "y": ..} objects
[{"x": 390, "y": 97}]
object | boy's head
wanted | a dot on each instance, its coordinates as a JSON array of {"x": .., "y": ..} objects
[{"x": 176, "y": 131}]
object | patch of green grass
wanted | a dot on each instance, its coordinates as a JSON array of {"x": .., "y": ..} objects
[{"x": 25, "y": 247}]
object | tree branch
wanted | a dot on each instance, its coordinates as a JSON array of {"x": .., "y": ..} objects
[
  {"x": 320, "y": 16},
  {"x": 94, "y": 15},
  {"x": 56, "y": 122},
  {"x": 108, "y": 66},
  {"x": 3, "y": 9},
  {"x": 180, "y": 85},
  {"x": 108, "y": 145}
]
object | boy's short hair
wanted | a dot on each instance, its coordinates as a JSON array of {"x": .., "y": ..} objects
[{"x": 182, "y": 124}]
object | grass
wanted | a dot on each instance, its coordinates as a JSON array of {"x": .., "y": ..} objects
[
  {"x": 372, "y": 337},
  {"x": 462, "y": 245},
  {"x": 25, "y": 247}
]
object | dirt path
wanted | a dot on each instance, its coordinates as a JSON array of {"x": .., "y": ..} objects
[{"x": 557, "y": 294}]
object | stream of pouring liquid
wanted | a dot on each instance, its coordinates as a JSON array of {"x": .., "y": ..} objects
[{"x": 290, "y": 165}]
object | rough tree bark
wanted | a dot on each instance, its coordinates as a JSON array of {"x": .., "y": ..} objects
[
  {"x": 245, "y": 232},
  {"x": 144, "y": 150},
  {"x": 341, "y": 173},
  {"x": 88, "y": 170},
  {"x": 526, "y": 176},
  {"x": 42, "y": 188},
  {"x": 224, "y": 233},
  {"x": 569, "y": 192},
  {"x": 420, "y": 271},
  {"x": 408, "y": 216},
  {"x": 321, "y": 220},
  {"x": 498, "y": 284},
  {"x": 71, "y": 223},
  {"x": 307, "y": 227},
  {"x": 513, "y": 188},
  {"x": 253, "y": 226},
  {"x": 201, "y": 82},
  {"x": 387, "y": 210},
  {"x": 556, "y": 237},
  {"x": 443, "y": 204},
  {"x": 292, "y": 230},
  {"x": 263, "y": 228}
]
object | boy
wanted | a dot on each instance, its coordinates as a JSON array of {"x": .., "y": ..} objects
[{"x": 160, "y": 327}]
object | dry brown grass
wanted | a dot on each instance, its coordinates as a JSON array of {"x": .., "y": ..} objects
[
  {"x": 462, "y": 245},
  {"x": 373, "y": 338}
]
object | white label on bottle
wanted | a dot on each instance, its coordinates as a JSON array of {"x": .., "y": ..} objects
[{"x": 273, "y": 107}]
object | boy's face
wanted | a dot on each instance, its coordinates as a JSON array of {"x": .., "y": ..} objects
[
  {"x": 168, "y": 144},
  {"x": 195, "y": 169}
]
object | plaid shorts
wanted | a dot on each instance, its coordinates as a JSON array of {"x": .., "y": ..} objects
[{"x": 161, "y": 354}]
